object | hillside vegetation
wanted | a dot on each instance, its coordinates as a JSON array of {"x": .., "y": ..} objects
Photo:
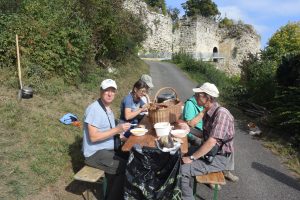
[
  {"x": 67, "y": 48},
  {"x": 65, "y": 41}
]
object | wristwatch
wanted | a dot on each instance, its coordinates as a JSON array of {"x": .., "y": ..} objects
[{"x": 192, "y": 158}]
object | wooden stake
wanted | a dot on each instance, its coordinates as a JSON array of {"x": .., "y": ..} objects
[{"x": 19, "y": 64}]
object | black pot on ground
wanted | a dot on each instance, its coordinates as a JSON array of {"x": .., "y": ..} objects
[{"x": 26, "y": 92}]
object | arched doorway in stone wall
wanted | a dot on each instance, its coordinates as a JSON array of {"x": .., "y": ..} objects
[{"x": 215, "y": 54}]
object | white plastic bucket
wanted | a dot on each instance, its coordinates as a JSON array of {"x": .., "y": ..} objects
[{"x": 162, "y": 128}]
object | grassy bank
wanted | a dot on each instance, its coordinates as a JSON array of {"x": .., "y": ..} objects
[{"x": 36, "y": 149}]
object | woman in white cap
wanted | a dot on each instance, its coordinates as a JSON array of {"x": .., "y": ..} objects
[{"x": 98, "y": 139}]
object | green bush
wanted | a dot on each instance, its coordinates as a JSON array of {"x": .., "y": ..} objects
[
  {"x": 206, "y": 72},
  {"x": 285, "y": 106},
  {"x": 226, "y": 22},
  {"x": 288, "y": 72},
  {"x": 116, "y": 33},
  {"x": 66, "y": 39},
  {"x": 181, "y": 57},
  {"x": 51, "y": 44},
  {"x": 286, "y": 112},
  {"x": 258, "y": 77},
  {"x": 158, "y": 5},
  {"x": 273, "y": 80}
]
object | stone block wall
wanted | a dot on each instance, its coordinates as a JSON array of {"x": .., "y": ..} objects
[
  {"x": 188, "y": 36},
  {"x": 159, "y": 27},
  {"x": 207, "y": 38},
  {"x": 236, "y": 49},
  {"x": 203, "y": 38}
]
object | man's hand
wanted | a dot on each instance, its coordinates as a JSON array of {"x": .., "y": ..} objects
[{"x": 186, "y": 160}]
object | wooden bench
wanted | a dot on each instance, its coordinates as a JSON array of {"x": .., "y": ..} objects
[
  {"x": 216, "y": 178},
  {"x": 91, "y": 175}
]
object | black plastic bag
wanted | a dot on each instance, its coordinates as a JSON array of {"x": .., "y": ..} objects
[{"x": 152, "y": 174}]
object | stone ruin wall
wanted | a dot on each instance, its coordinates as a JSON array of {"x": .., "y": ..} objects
[
  {"x": 247, "y": 44},
  {"x": 206, "y": 35},
  {"x": 207, "y": 38},
  {"x": 159, "y": 27},
  {"x": 184, "y": 38},
  {"x": 195, "y": 36},
  {"x": 236, "y": 49}
]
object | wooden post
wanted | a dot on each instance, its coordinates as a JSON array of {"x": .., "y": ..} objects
[{"x": 19, "y": 64}]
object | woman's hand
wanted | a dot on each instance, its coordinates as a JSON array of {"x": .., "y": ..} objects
[
  {"x": 123, "y": 127},
  {"x": 145, "y": 107}
]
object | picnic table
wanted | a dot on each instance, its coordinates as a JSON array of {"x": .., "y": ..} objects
[{"x": 149, "y": 138}]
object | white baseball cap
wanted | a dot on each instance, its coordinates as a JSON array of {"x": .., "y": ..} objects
[
  {"x": 108, "y": 83},
  {"x": 207, "y": 88},
  {"x": 148, "y": 80}
]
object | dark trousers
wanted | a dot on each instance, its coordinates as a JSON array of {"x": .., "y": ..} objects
[{"x": 114, "y": 168}]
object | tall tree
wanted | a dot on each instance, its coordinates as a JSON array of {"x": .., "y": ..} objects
[
  {"x": 285, "y": 40},
  {"x": 205, "y": 8},
  {"x": 174, "y": 13}
]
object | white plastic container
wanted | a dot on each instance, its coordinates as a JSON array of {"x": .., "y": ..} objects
[
  {"x": 139, "y": 131},
  {"x": 162, "y": 128},
  {"x": 179, "y": 133}
]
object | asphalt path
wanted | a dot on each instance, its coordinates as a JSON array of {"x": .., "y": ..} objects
[{"x": 262, "y": 175}]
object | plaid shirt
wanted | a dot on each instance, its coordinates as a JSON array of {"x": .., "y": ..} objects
[{"x": 222, "y": 128}]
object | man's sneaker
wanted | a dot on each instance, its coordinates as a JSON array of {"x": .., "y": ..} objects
[
  {"x": 229, "y": 176},
  {"x": 212, "y": 186}
]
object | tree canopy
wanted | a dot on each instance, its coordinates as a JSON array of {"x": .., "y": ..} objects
[
  {"x": 205, "y": 8},
  {"x": 174, "y": 13},
  {"x": 285, "y": 40},
  {"x": 160, "y": 4}
]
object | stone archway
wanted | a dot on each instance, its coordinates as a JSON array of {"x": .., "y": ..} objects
[{"x": 215, "y": 54}]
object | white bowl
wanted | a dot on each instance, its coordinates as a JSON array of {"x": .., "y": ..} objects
[
  {"x": 162, "y": 128},
  {"x": 179, "y": 133},
  {"x": 139, "y": 131}
]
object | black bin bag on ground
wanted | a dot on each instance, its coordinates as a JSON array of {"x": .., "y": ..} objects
[{"x": 152, "y": 174}]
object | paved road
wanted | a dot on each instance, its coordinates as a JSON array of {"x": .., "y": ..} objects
[{"x": 262, "y": 177}]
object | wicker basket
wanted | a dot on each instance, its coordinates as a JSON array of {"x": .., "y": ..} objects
[{"x": 168, "y": 111}]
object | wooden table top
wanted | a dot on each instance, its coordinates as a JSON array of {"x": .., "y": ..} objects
[{"x": 149, "y": 138}]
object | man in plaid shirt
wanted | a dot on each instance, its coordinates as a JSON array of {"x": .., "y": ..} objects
[{"x": 218, "y": 129}]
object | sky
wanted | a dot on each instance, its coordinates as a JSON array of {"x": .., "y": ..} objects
[{"x": 267, "y": 16}]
